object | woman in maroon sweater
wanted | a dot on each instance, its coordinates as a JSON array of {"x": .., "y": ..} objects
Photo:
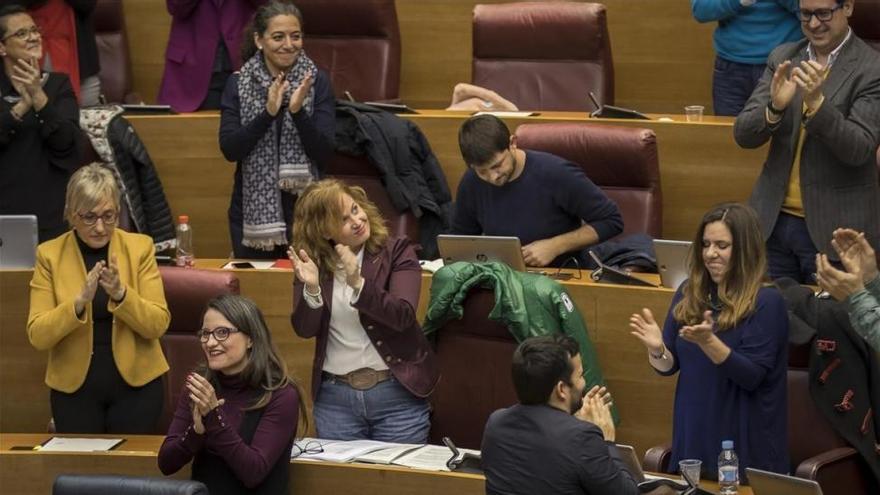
[{"x": 238, "y": 418}]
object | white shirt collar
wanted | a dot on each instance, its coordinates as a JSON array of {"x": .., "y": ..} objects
[{"x": 834, "y": 53}]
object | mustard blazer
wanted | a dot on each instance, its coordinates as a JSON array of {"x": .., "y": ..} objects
[{"x": 138, "y": 322}]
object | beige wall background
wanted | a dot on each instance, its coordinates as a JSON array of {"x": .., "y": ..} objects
[{"x": 663, "y": 58}]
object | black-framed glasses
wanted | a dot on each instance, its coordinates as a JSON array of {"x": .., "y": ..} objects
[
  {"x": 824, "y": 15},
  {"x": 25, "y": 33},
  {"x": 309, "y": 448},
  {"x": 220, "y": 334},
  {"x": 108, "y": 217}
]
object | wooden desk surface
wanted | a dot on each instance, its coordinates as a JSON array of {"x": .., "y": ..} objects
[
  {"x": 25, "y": 472},
  {"x": 644, "y": 399},
  {"x": 700, "y": 165}
]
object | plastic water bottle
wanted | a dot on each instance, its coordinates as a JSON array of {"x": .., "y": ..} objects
[
  {"x": 185, "y": 256},
  {"x": 728, "y": 469}
]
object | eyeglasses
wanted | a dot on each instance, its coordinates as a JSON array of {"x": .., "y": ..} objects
[
  {"x": 25, "y": 33},
  {"x": 109, "y": 218},
  {"x": 220, "y": 334},
  {"x": 310, "y": 448},
  {"x": 824, "y": 15}
]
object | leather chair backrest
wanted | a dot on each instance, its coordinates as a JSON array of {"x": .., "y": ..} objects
[
  {"x": 544, "y": 55},
  {"x": 358, "y": 171},
  {"x": 620, "y": 160},
  {"x": 91, "y": 484},
  {"x": 360, "y": 49},
  {"x": 187, "y": 292},
  {"x": 474, "y": 355},
  {"x": 865, "y": 21},
  {"x": 113, "y": 54},
  {"x": 804, "y": 416}
]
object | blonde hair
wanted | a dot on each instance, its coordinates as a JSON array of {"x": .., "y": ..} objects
[
  {"x": 317, "y": 217},
  {"x": 746, "y": 270},
  {"x": 88, "y": 187}
]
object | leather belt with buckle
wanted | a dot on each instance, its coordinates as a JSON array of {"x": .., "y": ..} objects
[{"x": 360, "y": 379}]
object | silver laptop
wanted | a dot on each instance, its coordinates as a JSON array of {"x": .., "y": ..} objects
[
  {"x": 628, "y": 456},
  {"x": 767, "y": 483},
  {"x": 672, "y": 261},
  {"x": 18, "y": 241},
  {"x": 481, "y": 248}
]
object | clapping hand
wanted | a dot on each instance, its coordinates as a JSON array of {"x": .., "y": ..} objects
[
  {"x": 838, "y": 283},
  {"x": 110, "y": 282},
  {"x": 601, "y": 392},
  {"x": 782, "y": 86},
  {"x": 87, "y": 294},
  {"x": 810, "y": 77},
  {"x": 646, "y": 329},
  {"x": 305, "y": 269},
  {"x": 27, "y": 80},
  {"x": 276, "y": 94},
  {"x": 300, "y": 93},
  {"x": 700, "y": 333},
  {"x": 855, "y": 253},
  {"x": 350, "y": 265},
  {"x": 595, "y": 410},
  {"x": 202, "y": 394}
]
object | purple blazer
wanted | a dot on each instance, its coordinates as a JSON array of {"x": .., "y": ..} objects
[
  {"x": 196, "y": 28},
  {"x": 387, "y": 307}
]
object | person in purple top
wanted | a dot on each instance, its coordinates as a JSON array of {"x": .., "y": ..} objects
[
  {"x": 727, "y": 336},
  {"x": 239, "y": 413},
  {"x": 277, "y": 122}
]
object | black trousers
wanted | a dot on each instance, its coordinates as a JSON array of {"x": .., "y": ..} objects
[{"x": 105, "y": 403}]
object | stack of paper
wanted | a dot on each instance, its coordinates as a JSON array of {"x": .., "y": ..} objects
[
  {"x": 59, "y": 444},
  {"x": 428, "y": 457}
]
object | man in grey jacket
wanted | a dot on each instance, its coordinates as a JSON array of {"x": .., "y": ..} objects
[{"x": 818, "y": 104}]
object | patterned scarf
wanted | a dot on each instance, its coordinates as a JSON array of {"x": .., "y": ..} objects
[{"x": 278, "y": 161}]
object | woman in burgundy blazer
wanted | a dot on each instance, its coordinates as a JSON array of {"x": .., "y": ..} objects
[
  {"x": 203, "y": 50},
  {"x": 357, "y": 291}
]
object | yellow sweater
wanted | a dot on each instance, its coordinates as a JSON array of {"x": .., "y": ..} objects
[{"x": 138, "y": 322}]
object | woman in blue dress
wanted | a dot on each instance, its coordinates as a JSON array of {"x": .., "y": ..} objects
[{"x": 726, "y": 335}]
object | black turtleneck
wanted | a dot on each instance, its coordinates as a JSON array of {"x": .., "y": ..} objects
[{"x": 101, "y": 316}]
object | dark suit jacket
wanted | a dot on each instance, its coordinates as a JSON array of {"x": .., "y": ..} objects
[
  {"x": 539, "y": 449},
  {"x": 838, "y": 173},
  {"x": 387, "y": 307}
]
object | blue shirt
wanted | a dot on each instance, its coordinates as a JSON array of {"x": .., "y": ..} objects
[
  {"x": 552, "y": 196},
  {"x": 748, "y": 34},
  {"x": 742, "y": 399}
]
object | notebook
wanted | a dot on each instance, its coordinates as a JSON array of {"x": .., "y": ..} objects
[
  {"x": 18, "y": 241},
  {"x": 767, "y": 483},
  {"x": 481, "y": 249},
  {"x": 672, "y": 261}
]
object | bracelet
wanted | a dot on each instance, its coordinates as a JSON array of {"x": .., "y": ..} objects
[
  {"x": 661, "y": 357},
  {"x": 773, "y": 109}
]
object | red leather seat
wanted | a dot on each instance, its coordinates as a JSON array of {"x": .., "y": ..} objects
[
  {"x": 357, "y": 43},
  {"x": 620, "y": 160},
  {"x": 474, "y": 355},
  {"x": 112, "y": 38},
  {"x": 187, "y": 292},
  {"x": 358, "y": 171},
  {"x": 544, "y": 55},
  {"x": 865, "y": 21}
]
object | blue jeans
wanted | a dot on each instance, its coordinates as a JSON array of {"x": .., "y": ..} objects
[
  {"x": 790, "y": 250},
  {"x": 387, "y": 412},
  {"x": 733, "y": 84}
]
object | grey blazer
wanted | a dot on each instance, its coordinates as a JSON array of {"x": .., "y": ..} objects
[{"x": 838, "y": 173}]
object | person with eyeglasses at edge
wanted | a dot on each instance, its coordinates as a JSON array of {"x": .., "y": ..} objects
[
  {"x": 818, "y": 104},
  {"x": 39, "y": 122},
  {"x": 239, "y": 411},
  {"x": 97, "y": 305},
  {"x": 747, "y": 31}
]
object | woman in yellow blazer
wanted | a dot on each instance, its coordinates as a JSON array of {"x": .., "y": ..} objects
[{"x": 98, "y": 307}]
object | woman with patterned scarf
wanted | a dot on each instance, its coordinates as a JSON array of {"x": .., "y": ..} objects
[{"x": 277, "y": 123}]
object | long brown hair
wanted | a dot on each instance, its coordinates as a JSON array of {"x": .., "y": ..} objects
[
  {"x": 746, "y": 270},
  {"x": 265, "y": 370},
  {"x": 318, "y": 216}
]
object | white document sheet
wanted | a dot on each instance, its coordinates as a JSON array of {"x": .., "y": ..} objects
[
  {"x": 59, "y": 444},
  {"x": 336, "y": 450},
  {"x": 430, "y": 457},
  {"x": 387, "y": 455}
]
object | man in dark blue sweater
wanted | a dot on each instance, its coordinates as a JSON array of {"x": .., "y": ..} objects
[{"x": 546, "y": 201}]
